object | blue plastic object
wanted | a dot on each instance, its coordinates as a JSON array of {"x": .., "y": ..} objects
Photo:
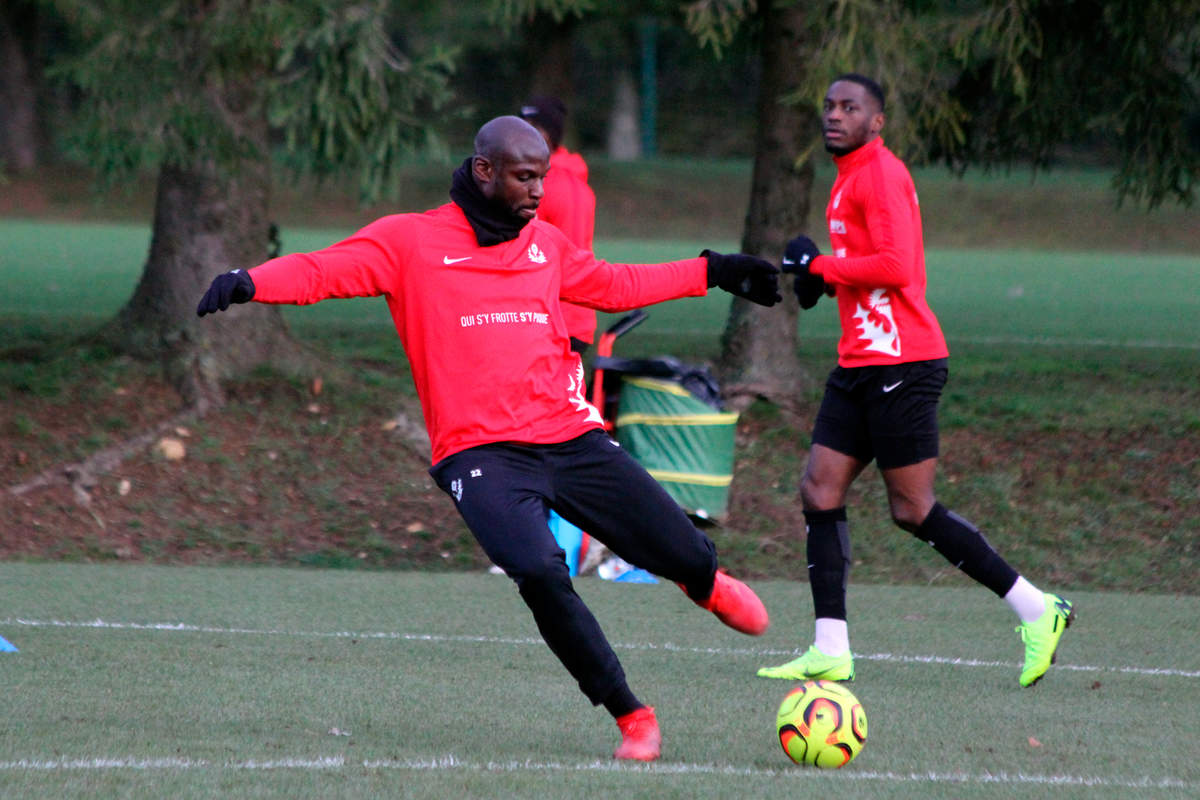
[{"x": 569, "y": 538}]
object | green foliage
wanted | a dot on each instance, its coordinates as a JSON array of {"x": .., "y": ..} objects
[
  {"x": 187, "y": 83},
  {"x": 999, "y": 82},
  {"x": 513, "y": 12},
  {"x": 715, "y": 22},
  {"x": 1033, "y": 75},
  {"x": 346, "y": 96},
  {"x": 899, "y": 42}
]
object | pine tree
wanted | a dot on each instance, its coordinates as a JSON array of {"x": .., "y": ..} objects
[{"x": 203, "y": 91}]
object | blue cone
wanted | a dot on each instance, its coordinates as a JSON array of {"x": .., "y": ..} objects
[{"x": 6, "y": 646}]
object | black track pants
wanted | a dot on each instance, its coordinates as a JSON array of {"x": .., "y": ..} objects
[{"x": 503, "y": 491}]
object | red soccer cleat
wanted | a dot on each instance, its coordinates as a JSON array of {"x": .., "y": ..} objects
[
  {"x": 640, "y": 737},
  {"x": 736, "y": 605}
]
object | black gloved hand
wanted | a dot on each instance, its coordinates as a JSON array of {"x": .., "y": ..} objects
[
  {"x": 746, "y": 276},
  {"x": 230, "y": 287},
  {"x": 797, "y": 257}
]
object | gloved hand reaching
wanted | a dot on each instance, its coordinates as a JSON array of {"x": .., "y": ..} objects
[
  {"x": 746, "y": 276},
  {"x": 797, "y": 258},
  {"x": 230, "y": 287}
]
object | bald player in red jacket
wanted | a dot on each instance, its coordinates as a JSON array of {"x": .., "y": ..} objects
[{"x": 475, "y": 288}]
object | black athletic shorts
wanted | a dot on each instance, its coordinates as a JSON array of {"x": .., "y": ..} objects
[{"x": 887, "y": 413}]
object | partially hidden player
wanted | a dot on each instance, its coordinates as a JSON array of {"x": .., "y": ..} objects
[
  {"x": 880, "y": 401},
  {"x": 569, "y": 203},
  {"x": 475, "y": 289}
]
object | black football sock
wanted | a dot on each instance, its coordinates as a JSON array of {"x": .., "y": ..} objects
[
  {"x": 621, "y": 701},
  {"x": 828, "y": 550},
  {"x": 962, "y": 544}
]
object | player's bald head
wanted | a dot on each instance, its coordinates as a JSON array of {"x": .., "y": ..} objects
[
  {"x": 510, "y": 162},
  {"x": 507, "y": 139}
]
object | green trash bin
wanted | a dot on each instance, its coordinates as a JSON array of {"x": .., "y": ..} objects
[{"x": 685, "y": 442}]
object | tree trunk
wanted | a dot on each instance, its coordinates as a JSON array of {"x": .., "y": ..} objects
[
  {"x": 205, "y": 222},
  {"x": 18, "y": 88},
  {"x": 758, "y": 348},
  {"x": 550, "y": 44},
  {"x": 624, "y": 135}
]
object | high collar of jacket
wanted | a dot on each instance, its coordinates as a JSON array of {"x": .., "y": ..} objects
[
  {"x": 858, "y": 156},
  {"x": 493, "y": 223}
]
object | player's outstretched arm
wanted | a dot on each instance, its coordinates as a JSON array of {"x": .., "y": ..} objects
[
  {"x": 235, "y": 286},
  {"x": 797, "y": 259},
  {"x": 746, "y": 276}
]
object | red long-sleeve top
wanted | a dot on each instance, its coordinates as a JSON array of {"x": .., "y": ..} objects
[
  {"x": 482, "y": 326},
  {"x": 878, "y": 262},
  {"x": 569, "y": 204}
]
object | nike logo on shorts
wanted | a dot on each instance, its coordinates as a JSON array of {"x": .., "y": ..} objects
[
  {"x": 449, "y": 260},
  {"x": 889, "y": 387}
]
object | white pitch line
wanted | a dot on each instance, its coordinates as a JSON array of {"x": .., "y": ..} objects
[
  {"x": 183, "y": 627},
  {"x": 454, "y": 763}
]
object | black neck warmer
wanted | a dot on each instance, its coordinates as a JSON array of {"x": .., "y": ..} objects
[{"x": 491, "y": 222}]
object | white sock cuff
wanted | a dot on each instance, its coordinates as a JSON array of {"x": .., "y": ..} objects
[
  {"x": 1026, "y": 599},
  {"x": 832, "y": 636}
]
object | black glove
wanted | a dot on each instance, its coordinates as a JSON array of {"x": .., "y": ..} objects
[
  {"x": 230, "y": 287},
  {"x": 797, "y": 257},
  {"x": 746, "y": 276}
]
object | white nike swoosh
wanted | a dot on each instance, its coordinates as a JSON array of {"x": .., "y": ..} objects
[
  {"x": 449, "y": 260},
  {"x": 893, "y": 386},
  {"x": 788, "y": 261}
]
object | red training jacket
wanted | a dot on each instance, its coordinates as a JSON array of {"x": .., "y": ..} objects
[
  {"x": 878, "y": 262},
  {"x": 570, "y": 205},
  {"x": 482, "y": 326}
]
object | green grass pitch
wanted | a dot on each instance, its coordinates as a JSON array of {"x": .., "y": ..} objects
[{"x": 237, "y": 682}]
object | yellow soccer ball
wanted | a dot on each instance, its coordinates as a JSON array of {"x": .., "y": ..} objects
[{"x": 821, "y": 724}]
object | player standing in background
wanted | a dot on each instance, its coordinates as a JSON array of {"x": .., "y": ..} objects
[
  {"x": 474, "y": 288},
  {"x": 569, "y": 203},
  {"x": 880, "y": 400}
]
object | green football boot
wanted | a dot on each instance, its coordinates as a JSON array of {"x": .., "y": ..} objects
[
  {"x": 813, "y": 665},
  {"x": 1041, "y": 638}
]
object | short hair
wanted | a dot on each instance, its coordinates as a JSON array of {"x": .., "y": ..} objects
[
  {"x": 873, "y": 88},
  {"x": 549, "y": 114}
]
